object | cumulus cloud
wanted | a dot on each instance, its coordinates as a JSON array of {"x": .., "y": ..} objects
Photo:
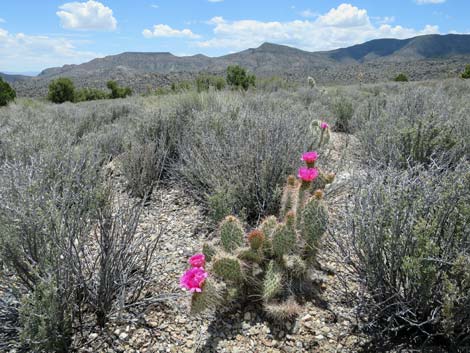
[
  {"x": 424, "y": 2},
  {"x": 2, "y": 20},
  {"x": 22, "y": 52},
  {"x": 162, "y": 30},
  {"x": 87, "y": 16},
  {"x": 340, "y": 27}
]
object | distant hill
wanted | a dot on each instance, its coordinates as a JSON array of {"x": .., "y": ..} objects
[
  {"x": 13, "y": 78},
  {"x": 432, "y": 46},
  {"x": 422, "y": 57}
]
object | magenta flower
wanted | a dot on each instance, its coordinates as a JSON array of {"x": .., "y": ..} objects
[
  {"x": 310, "y": 157},
  {"x": 308, "y": 174},
  {"x": 324, "y": 125},
  {"x": 197, "y": 260},
  {"x": 193, "y": 279}
]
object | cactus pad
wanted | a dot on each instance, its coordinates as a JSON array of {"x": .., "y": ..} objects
[
  {"x": 229, "y": 268},
  {"x": 231, "y": 233},
  {"x": 272, "y": 283}
]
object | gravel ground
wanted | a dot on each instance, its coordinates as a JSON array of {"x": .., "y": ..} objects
[{"x": 326, "y": 325}]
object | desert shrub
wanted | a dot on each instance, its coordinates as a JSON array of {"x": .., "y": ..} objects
[
  {"x": 236, "y": 145},
  {"x": 205, "y": 81},
  {"x": 61, "y": 90},
  {"x": 410, "y": 234},
  {"x": 142, "y": 167},
  {"x": 415, "y": 125},
  {"x": 46, "y": 319},
  {"x": 238, "y": 78},
  {"x": 117, "y": 91},
  {"x": 343, "y": 111},
  {"x": 47, "y": 206},
  {"x": 466, "y": 73},
  {"x": 116, "y": 275},
  {"x": 401, "y": 78},
  {"x": 181, "y": 86},
  {"x": 7, "y": 94},
  {"x": 89, "y": 94},
  {"x": 274, "y": 84}
]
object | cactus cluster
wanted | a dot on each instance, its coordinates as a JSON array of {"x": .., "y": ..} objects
[{"x": 272, "y": 263}]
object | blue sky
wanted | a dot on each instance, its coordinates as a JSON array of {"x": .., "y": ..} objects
[{"x": 38, "y": 34}]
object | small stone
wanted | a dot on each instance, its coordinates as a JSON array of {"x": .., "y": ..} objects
[
  {"x": 247, "y": 316},
  {"x": 319, "y": 337},
  {"x": 93, "y": 335},
  {"x": 123, "y": 336}
]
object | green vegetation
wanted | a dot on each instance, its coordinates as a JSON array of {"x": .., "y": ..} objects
[
  {"x": 117, "y": 91},
  {"x": 7, "y": 94},
  {"x": 466, "y": 73},
  {"x": 61, "y": 90},
  {"x": 89, "y": 94},
  {"x": 204, "y": 82},
  {"x": 238, "y": 78},
  {"x": 343, "y": 112},
  {"x": 401, "y": 78},
  {"x": 411, "y": 231},
  {"x": 280, "y": 250},
  {"x": 75, "y": 178}
]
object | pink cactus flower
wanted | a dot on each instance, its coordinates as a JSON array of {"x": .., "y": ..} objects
[
  {"x": 308, "y": 174},
  {"x": 193, "y": 279},
  {"x": 324, "y": 125},
  {"x": 310, "y": 157},
  {"x": 197, "y": 260}
]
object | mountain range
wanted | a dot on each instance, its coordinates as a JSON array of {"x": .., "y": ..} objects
[{"x": 422, "y": 57}]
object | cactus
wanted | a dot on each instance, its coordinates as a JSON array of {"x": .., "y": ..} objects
[
  {"x": 210, "y": 297},
  {"x": 314, "y": 223},
  {"x": 284, "y": 237},
  {"x": 273, "y": 262},
  {"x": 231, "y": 233},
  {"x": 289, "y": 196},
  {"x": 209, "y": 251},
  {"x": 256, "y": 239},
  {"x": 272, "y": 283},
  {"x": 282, "y": 311},
  {"x": 295, "y": 265},
  {"x": 320, "y": 134},
  {"x": 229, "y": 268}
]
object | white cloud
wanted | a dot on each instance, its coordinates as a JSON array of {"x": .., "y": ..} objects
[
  {"x": 154, "y": 6},
  {"x": 383, "y": 20},
  {"x": 162, "y": 30},
  {"x": 21, "y": 52},
  {"x": 343, "y": 26},
  {"x": 309, "y": 13},
  {"x": 90, "y": 15},
  {"x": 2, "y": 20},
  {"x": 215, "y": 0},
  {"x": 424, "y": 2}
]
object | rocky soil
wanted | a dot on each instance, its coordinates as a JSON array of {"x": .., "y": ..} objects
[{"x": 327, "y": 324}]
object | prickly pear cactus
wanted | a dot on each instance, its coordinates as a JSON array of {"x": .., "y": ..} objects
[{"x": 270, "y": 263}]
